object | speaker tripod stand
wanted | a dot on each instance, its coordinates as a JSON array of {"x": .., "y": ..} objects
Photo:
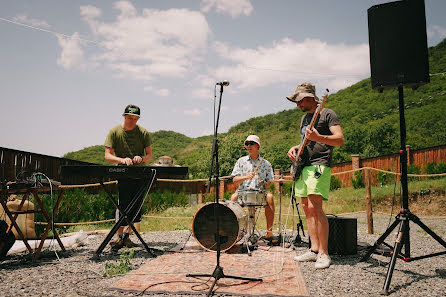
[{"x": 405, "y": 216}]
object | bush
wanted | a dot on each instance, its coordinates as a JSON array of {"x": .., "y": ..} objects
[
  {"x": 384, "y": 178},
  {"x": 433, "y": 168},
  {"x": 357, "y": 180},
  {"x": 78, "y": 205},
  {"x": 413, "y": 169},
  {"x": 430, "y": 168},
  {"x": 161, "y": 200},
  {"x": 335, "y": 183}
]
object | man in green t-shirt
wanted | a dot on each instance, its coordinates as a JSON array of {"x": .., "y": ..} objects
[{"x": 128, "y": 144}]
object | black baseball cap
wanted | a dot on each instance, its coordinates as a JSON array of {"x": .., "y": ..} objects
[{"x": 132, "y": 110}]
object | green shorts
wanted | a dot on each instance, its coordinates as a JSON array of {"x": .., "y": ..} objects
[{"x": 315, "y": 179}]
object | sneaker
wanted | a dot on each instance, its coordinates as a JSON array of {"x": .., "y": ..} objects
[
  {"x": 323, "y": 261},
  {"x": 116, "y": 244},
  {"x": 128, "y": 243},
  {"x": 307, "y": 257}
]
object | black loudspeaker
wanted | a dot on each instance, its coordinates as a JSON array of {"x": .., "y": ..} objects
[
  {"x": 342, "y": 236},
  {"x": 398, "y": 44}
]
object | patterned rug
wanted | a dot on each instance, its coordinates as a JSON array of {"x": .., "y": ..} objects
[{"x": 166, "y": 274}]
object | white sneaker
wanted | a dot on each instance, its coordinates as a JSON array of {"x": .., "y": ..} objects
[
  {"x": 323, "y": 261},
  {"x": 307, "y": 257}
]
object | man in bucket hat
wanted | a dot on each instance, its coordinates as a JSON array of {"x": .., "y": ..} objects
[
  {"x": 128, "y": 144},
  {"x": 313, "y": 184},
  {"x": 254, "y": 173}
]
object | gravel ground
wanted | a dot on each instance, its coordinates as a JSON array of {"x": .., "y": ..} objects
[{"x": 76, "y": 274}]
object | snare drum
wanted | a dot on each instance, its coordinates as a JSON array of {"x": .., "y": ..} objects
[{"x": 252, "y": 198}]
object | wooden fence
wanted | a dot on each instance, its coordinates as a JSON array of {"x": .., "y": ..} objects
[
  {"x": 391, "y": 162},
  {"x": 14, "y": 162}
]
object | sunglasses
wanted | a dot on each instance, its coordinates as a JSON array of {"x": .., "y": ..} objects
[{"x": 250, "y": 143}]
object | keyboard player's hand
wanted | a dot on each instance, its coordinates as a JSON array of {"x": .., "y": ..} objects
[
  {"x": 137, "y": 159},
  {"x": 126, "y": 161}
]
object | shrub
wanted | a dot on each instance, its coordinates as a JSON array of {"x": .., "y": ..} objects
[
  {"x": 384, "y": 178},
  {"x": 161, "y": 200},
  {"x": 357, "y": 180},
  {"x": 433, "y": 168},
  {"x": 430, "y": 168},
  {"x": 78, "y": 205},
  {"x": 413, "y": 169},
  {"x": 335, "y": 183}
]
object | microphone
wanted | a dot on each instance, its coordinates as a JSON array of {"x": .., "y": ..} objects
[{"x": 223, "y": 83}]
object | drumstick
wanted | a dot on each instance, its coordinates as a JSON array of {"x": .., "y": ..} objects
[{"x": 255, "y": 170}]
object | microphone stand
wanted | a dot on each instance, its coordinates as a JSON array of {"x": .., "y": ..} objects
[{"x": 218, "y": 271}]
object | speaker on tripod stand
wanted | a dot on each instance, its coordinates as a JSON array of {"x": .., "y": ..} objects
[
  {"x": 398, "y": 44},
  {"x": 398, "y": 58}
]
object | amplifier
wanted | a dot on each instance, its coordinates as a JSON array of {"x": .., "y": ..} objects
[{"x": 342, "y": 236}]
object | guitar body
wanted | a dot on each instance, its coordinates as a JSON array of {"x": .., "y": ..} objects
[
  {"x": 299, "y": 164},
  {"x": 296, "y": 169}
]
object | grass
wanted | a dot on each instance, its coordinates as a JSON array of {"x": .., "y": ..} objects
[{"x": 426, "y": 197}]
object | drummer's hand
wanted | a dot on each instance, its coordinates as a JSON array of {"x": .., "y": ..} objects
[{"x": 250, "y": 175}]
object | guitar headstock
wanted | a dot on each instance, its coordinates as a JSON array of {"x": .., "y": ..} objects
[{"x": 321, "y": 103}]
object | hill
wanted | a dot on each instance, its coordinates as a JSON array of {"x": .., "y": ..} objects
[{"x": 370, "y": 121}]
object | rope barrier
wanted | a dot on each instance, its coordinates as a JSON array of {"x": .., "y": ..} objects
[
  {"x": 222, "y": 178},
  {"x": 275, "y": 180}
]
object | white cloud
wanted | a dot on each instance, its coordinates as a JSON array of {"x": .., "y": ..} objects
[
  {"x": 150, "y": 44},
  {"x": 193, "y": 112},
  {"x": 335, "y": 65},
  {"x": 158, "y": 92},
  {"x": 439, "y": 31},
  {"x": 24, "y": 19},
  {"x": 234, "y": 8},
  {"x": 206, "y": 132},
  {"x": 72, "y": 55}
]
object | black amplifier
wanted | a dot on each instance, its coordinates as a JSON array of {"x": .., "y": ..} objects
[{"x": 342, "y": 236}]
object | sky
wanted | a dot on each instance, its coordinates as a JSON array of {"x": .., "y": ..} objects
[{"x": 68, "y": 68}]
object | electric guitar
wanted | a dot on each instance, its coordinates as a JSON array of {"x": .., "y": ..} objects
[{"x": 296, "y": 166}]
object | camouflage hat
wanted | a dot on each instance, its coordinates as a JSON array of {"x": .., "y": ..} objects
[
  {"x": 303, "y": 90},
  {"x": 132, "y": 110}
]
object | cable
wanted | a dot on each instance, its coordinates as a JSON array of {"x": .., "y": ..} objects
[{"x": 48, "y": 31}]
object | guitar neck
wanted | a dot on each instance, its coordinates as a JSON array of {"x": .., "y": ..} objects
[{"x": 318, "y": 110}]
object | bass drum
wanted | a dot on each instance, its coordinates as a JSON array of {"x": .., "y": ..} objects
[{"x": 232, "y": 225}]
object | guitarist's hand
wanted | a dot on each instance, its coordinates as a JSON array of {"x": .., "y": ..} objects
[
  {"x": 292, "y": 153},
  {"x": 312, "y": 134}
]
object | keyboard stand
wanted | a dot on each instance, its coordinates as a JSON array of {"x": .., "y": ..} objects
[{"x": 125, "y": 216}]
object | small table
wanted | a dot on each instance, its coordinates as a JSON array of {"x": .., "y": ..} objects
[{"x": 26, "y": 191}]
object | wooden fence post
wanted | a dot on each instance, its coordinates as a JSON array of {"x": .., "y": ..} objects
[
  {"x": 368, "y": 200},
  {"x": 222, "y": 189}
]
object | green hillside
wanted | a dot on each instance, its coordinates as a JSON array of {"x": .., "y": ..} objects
[{"x": 370, "y": 121}]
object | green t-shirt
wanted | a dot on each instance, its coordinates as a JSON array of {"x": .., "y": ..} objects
[{"x": 127, "y": 144}]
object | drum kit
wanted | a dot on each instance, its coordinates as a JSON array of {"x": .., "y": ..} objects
[{"x": 234, "y": 223}]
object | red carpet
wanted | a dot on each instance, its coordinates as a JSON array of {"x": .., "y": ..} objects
[{"x": 167, "y": 273}]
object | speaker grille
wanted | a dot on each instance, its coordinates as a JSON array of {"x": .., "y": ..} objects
[{"x": 398, "y": 44}]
